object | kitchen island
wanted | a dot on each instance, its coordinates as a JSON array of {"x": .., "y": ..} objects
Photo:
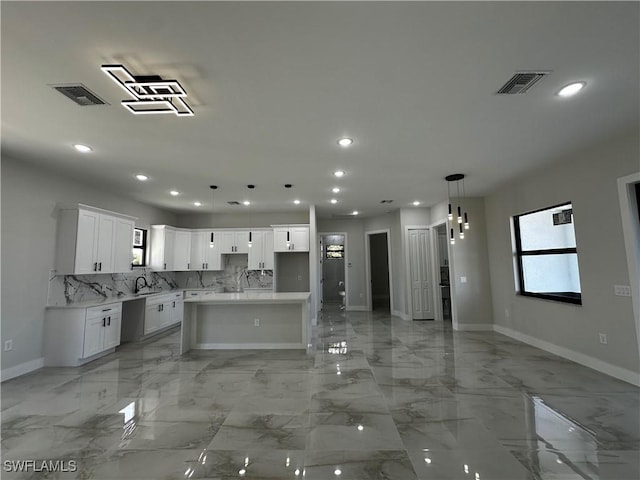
[{"x": 248, "y": 320}]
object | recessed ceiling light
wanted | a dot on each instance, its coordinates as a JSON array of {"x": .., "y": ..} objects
[
  {"x": 571, "y": 89},
  {"x": 416, "y": 203},
  {"x": 82, "y": 148},
  {"x": 339, "y": 173},
  {"x": 345, "y": 142},
  {"x": 297, "y": 202},
  {"x": 355, "y": 212},
  {"x": 246, "y": 202},
  {"x": 335, "y": 190},
  {"x": 142, "y": 178},
  {"x": 333, "y": 200},
  {"x": 197, "y": 204},
  {"x": 174, "y": 193}
]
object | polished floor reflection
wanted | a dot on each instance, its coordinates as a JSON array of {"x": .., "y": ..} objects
[{"x": 375, "y": 398}]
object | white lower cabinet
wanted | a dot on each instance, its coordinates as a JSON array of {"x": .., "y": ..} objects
[
  {"x": 163, "y": 311},
  {"x": 74, "y": 335}
]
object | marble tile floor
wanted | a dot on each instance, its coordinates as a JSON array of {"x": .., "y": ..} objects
[{"x": 374, "y": 398}]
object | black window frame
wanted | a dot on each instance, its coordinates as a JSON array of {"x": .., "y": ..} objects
[
  {"x": 563, "y": 297},
  {"x": 143, "y": 246}
]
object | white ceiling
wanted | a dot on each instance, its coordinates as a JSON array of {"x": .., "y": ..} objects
[{"x": 274, "y": 85}]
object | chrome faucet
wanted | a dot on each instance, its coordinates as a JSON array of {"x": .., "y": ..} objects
[{"x": 137, "y": 289}]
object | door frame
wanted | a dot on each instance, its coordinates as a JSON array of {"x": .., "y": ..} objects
[
  {"x": 436, "y": 296},
  {"x": 437, "y": 292},
  {"x": 345, "y": 264},
  {"x": 367, "y": 257},
  {"x": 631, "y": 232}
]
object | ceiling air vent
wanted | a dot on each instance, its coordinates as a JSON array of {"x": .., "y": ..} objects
[
  {"x": 521, "y": 82},
  {"x": 79, "y": 94},
  {"x": 233, "y": 203},
  {"x": 386, "y": 201}
]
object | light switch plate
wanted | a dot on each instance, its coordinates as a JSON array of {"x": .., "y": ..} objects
[
  {"x": 622, "y": 290},
  {"x": 463, "y": 279}
]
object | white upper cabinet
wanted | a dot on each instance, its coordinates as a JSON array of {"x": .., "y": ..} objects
[
  {"x": 291, "y": 238},
  {"x": 92, "y": 240},
  {"x": 170, "y": 248},
  {"x": 182, "y": 250},
  {"x": 205, "y": 250},
  {"x": 261, "y": 252},
  {"x": 123, "y": 251},
  {"x": 234, "y": 241}
]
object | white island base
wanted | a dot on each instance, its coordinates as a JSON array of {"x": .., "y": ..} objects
[{"x": 251, "y": 320}]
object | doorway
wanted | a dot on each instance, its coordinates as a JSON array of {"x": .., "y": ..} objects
[
  {"x": 333, "y": 251},
  {"x": 380, "y": 293},
  {"x": 443, "y": 273}
]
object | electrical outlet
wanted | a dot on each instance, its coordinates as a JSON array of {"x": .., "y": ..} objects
[
  {"x": 256, "y": 322},
  {"x": 299, "y": 278},
  {"x": 603, "y": 338},
  {"x": 622, "y": 290},
  {"x": 8, "y": 345},
  {"x": 463, "y": 279}
]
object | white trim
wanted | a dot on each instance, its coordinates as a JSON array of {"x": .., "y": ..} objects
[
  {"x": 367, "y": 259},
  {"x": 357, "y": 308},
  {"x": 472, "y": 327},
  {"x": 246, "y": 346},
  {"x": 620, "y": 373},
  {"x": 402, "y": 315},
  {"x": 21, "y": 369},
  {"x": 631, "y": 232}
]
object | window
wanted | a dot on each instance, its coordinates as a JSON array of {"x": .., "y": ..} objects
[
  {"x": 139, "y": 247},
  {"x": 547, "y": 258}
]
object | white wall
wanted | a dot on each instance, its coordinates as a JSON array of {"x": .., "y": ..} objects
[
  {"x": 29, "y": 198},
  {"x": 588, "y": 180},
  {"x": 471, "y": 299},
  {"x": 240, "y": 219}
]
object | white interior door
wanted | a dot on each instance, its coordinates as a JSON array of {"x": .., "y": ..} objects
[{"x": 420, "y": 270}]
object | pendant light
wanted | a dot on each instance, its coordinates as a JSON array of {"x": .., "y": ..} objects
[
  {"x": 462, "y": 219},
  {"x": 250, "y": 243},
  {"x": 212, "y": 235}
]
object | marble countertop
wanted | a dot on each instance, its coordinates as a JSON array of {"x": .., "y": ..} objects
[
  {"x": 250, "y": 297},
  {"x": 96, "y": 302}
]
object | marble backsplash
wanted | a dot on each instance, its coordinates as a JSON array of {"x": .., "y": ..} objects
[{"x": 235, "y": 277}]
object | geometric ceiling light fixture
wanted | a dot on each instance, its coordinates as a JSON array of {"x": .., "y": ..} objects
[
  {"x": 462, "y": 219},
  {"x": 151, "y": 94}
]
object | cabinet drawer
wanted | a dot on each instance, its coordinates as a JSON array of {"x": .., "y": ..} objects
[{"x": 102, "y": 310}]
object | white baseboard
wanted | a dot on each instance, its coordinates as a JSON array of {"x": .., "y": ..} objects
[
  {"x": 402, "y": 315},
  {"x": 475, "y": 327},
  {"x": 248, "y": 346},
  {"x": 357, "y": 308},
  {"x": 21, "y": 369},
  {"x": 620, "y": 373}
]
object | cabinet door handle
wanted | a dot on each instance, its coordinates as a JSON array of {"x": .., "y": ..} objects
[
  {"x": 95, "y": 266},
  {"x": 104, "y": 322},
  {"x": 160, "y": 307},
  {"x": 109, "y": 321},
  {"x": 165, "y": 266},
  {"x": 106, "y": 309},
  {"x": 188, "y": 266}
]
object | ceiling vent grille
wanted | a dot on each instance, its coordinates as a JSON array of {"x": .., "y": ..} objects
[
  {"x": 521, "y": 82},
  {"x": 386, "y": 201},
  {"x": 80, "y": 94},
  {"x": 233, "y": 202}
]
